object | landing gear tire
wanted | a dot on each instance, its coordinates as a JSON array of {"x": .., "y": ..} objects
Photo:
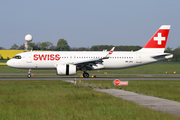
[
  {"x": 85, "y": 75},
  {"x": 29, "y": 75}
]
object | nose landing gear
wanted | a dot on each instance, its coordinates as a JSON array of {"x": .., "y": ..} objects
[{"x": 29, "y": 74}]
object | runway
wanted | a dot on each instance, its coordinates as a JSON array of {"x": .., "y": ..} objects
[{"x": 97, "y": 78}]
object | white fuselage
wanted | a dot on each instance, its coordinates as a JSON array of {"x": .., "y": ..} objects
[{"x": 49, "y": 60}]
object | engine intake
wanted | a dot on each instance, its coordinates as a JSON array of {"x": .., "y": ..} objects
[{"x": 66, "y": 69}]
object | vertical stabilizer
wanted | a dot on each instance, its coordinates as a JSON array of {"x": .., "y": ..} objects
[{"x": 158, "y": 41}]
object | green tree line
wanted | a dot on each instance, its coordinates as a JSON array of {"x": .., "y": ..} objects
[{"x": 175, "y": 52}]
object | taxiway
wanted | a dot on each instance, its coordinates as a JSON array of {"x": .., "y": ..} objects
[{"x": 97, "y": 78}]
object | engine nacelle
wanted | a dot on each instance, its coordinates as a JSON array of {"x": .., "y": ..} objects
[{"x": 66, "y": 69}]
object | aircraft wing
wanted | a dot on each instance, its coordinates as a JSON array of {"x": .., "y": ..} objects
[{"x": 91, "y": 62}]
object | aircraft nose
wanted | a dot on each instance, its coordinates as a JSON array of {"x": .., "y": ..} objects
[{"x": 8, "y": 63}]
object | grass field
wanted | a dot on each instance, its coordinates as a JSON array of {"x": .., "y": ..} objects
[
  {"x": 62, "y": 100},
  {"x": 3, "y": 61},
  {"x": 163, "y": 89},
  {"x": 39, "y": 100},
  {"x": 2, "y": 64}
]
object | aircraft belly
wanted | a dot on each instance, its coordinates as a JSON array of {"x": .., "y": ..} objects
[
  {"x": 38, "y": 65},
  {"x": 44, "y": 64},
  {"x": 118, "y": 64}
]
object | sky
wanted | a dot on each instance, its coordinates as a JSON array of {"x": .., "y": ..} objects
[{"x": 84, "y": 23}]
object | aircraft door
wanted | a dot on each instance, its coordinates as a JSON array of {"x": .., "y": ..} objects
[
  {"x": 138, "y": 57},
  {"x": 29, "y": 57}
]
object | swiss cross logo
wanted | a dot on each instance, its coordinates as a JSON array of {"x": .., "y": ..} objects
[{"x": 159, "y": 38}]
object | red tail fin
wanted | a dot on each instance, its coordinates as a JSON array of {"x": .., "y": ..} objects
[{"x": 159, "y": 39}]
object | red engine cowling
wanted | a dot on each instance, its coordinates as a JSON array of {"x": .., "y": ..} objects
[{"x": 66, "y": 69}]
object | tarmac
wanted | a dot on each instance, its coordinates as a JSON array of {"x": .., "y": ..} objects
[
  {"x": 97, "y": 78},
  {"x": 155, "y": 103}
]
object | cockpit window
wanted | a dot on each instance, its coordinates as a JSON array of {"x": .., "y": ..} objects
[{"x": 17, "y": 57}]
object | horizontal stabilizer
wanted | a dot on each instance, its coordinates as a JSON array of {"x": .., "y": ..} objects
[{"x": 162, "y": 55}]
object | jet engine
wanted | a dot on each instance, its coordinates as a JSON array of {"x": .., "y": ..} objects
[{"x": 66, "y": 69}]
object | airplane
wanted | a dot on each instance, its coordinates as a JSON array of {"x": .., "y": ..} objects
[{"x": 69, "y": 62}]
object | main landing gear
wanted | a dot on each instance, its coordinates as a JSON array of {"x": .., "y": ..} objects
[
  {"x": 85, "y": 75},
  {"x": 29, "y": 74}
]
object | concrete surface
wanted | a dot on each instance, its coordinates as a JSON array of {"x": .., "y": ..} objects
[
  {"x": 154, "y": 103},
  {"x": 97, "y": 78}
]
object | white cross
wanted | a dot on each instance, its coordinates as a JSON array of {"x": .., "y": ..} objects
[{"x": 159, "y": 38}]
